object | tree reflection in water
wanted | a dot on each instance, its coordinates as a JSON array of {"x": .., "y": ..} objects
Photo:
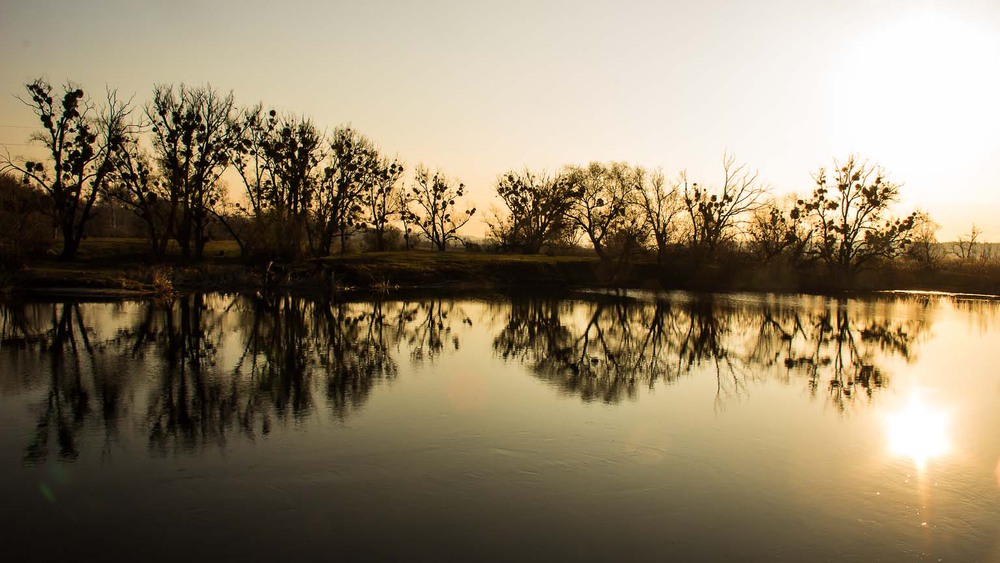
[
  {"x": 198, "y": 369},
  {"x": 83, "y": 377},
  {"x": 607, "y": 348},
  {"x": 205, "y": 366}
]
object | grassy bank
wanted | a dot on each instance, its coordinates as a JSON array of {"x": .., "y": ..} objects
[{"x": 117, "y": 267}]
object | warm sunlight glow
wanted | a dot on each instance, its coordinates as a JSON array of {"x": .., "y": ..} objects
[
  {"x": 918, "y": 432},
  {"x": 917, "y": 92}
]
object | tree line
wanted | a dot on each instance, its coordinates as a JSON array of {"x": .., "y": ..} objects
[
  {"x": 302, "y": 189},
  {"x": 304, "y": 192},
  {"x": 625, "y": 210}
]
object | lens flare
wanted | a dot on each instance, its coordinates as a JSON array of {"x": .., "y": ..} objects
[{"x": 918, "y": 432}]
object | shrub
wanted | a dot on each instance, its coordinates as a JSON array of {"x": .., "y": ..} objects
[{"x": 25, "y": 223}]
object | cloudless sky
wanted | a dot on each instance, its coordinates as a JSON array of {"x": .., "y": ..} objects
[{"x": 477, "y": 88}]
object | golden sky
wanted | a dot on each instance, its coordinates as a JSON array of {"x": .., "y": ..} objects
[{"x": 476, "y": 88}]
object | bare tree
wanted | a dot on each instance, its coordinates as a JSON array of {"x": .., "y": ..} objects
[
  {"x": 924, "y": 248},
  {"x": 435, "y": 198},
  {"x": 603, "y": 192},
  {"x": 81, "y": 141},
  {"x": 194, "y": 140},
  {"x": 848, "y": 213},
  {"x": 337, "y": 209},
  {"x": 380, "y": 197},
  {"x": 536, "y": 210},
  {"x": 293, "y": 154},
  {"x": 250, "y": 157},
  {"x": 403, "y": 200},
  {"x": 965, "y": 247},
  {"x": 776, "y": 228},
  {"x": 717, "y": 215},
  {"x": 661, "y": 205},
  {"x": 136, "y": 184}
]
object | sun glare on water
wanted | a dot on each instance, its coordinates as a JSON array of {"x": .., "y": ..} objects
[{"x": 918, "y": 432}]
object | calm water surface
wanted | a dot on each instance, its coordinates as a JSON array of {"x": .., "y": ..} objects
[{"x": 677, "y": 427}]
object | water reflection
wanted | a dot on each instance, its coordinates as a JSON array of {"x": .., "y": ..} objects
[
  {"x": 198, "y": 370},
  {"x": 609, "y": 348},
  {"x": 919, "y": 432},
  {"x": 84, "y": 378},
  {"x": 207, "y": 366}
]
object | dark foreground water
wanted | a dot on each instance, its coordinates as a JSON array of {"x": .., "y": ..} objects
[{"x": 735, "y": 428}]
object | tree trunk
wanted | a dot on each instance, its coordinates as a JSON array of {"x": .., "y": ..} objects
[{"x": 70, "y": 243}]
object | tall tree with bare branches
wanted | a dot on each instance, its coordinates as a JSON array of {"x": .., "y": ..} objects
[
  {"x": 716, "y": 215},
  {"x": 380, "y": 196},
  {"x": 193, "y": 140},
  {"x": 434, "y": 211},
  {"x": 337, "y": 209},
  {"x": 661, "y": 205},
  {"x": 848, "y": 210},
  {"x": 602, "y": 200},
  {"x": 137, "y": 185},
  {"x": 81, "y": 140},
  {"x": 280, "y": 160},
  {"x": 537, "y": 204}
]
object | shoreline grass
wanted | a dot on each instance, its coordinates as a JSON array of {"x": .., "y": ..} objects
[{"x": 117, "y": 267}]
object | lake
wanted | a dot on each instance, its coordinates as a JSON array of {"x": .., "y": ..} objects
[{"x": 590, "y": 426}]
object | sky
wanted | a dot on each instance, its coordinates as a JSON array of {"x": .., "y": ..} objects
[{"x": 479, "y": 88}]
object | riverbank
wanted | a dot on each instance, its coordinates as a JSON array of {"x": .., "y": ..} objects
[
  {"x": 370, "y": 272},
  {"x": 111, "y": 271}
]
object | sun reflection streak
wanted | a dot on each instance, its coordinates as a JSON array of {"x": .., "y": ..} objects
[{"x": 918, "y": 432}]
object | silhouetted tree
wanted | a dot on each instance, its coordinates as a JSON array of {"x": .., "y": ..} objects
[
  {"x": 406, "y": 219},
  {"x": 338, "y": 205},
  {"x": 81, "y": 141},
  {"x": 602, "y": 200},
  {"x": 716, "y": 216},
  {"x": 250, "y": 160},
  {"x": 537, "y": 206},
  {"x": 435, "y": 199},
  {"x": 848, "y": 213},
  {"x": 380, "y": 197},
  {"x": 279, "y": 160},
  {"x": 776, "y": 229},
  {"x": 136, "y": 184},
  {"x": 965, "y": 247},
  {"x": 661, "y": 206},
  {"x": 923, "y": 248},
  {"x": 193, "y": 139}
]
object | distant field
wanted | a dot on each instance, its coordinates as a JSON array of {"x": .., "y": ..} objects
[{"x": 137, "y": 249}]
